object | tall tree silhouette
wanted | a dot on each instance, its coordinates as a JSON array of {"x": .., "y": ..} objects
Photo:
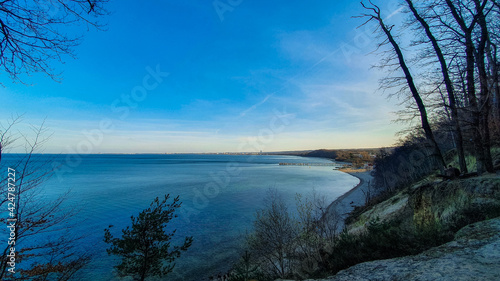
[{"x": 375, "y": 15}]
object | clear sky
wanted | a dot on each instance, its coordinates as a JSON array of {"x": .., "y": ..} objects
[{"x": 214, "y": 76}]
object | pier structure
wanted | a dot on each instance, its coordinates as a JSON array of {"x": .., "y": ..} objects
[{"x": 312, "y": 164}]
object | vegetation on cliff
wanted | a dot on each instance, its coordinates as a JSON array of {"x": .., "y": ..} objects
[
  {"x": 357, "y": 157},
  {"x": 416, "y": 219}
]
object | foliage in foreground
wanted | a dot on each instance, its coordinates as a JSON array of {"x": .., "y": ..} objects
[
  {"x": 383, "y": 240},
  {"x": 391, "y": 239},
  {"x": 308, "y": 253},
  {"x": 287, "y": 244},
  {"x": 37, "y": 249},
  {"x": 145, "y": 248}
]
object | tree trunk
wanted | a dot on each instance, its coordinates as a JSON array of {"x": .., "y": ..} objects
[
  {"x": 448, "y": 84},
  {"x": 484, "y": 98},
  {"x": 471, "y": 88},
  {"x": 436, "y": 152},
  {"x": 492, "y": 59},
  {"x": 474, "y": 111}
]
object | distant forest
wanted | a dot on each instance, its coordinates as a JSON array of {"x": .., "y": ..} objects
[{"x": 355, "y": 156}]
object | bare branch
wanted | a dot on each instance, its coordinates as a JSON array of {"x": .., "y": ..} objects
[{"x": 31, "y": 33}]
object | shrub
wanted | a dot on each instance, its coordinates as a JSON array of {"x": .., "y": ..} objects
[
  {"x": 145, "y": 248},
  {"x": 384, "y": 240}
]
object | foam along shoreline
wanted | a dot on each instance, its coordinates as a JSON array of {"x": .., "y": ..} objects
[{"x": 344, "y": 204}]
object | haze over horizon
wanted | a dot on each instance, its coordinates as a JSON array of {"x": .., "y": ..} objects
[{"x": 207, "y": 77}]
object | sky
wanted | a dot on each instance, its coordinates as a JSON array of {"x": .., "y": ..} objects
[{"x": 213, "y": 76}]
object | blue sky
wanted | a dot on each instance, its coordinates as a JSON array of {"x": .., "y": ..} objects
[{"x": 213, "y": 76}]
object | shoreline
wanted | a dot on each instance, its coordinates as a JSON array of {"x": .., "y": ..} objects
[
  {"x": 356, "y": 196},
  {"x": 354, "y": 189}
]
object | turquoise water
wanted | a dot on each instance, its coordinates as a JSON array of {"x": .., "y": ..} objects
[{"x": 220, "y": 194}]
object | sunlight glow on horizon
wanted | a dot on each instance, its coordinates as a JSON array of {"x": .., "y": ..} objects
[{"x": 282, "y": 76}]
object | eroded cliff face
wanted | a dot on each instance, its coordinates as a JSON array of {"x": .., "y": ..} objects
[
  {"x": 473, "y": 255},
  {"x": 441, "y": 204},
  {"x": 446, "y": 202}
]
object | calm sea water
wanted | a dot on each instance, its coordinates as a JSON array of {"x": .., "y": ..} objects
[{"x": 220, "y": 194}]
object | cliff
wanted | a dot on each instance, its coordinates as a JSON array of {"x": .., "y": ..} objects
[
  {"x": 474, "y": 254},
  {"x": 443, "y": 204},
  {"x": 465, "y": 209}
]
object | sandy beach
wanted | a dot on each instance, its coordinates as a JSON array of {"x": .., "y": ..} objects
[{"x": 354, "y": 197}]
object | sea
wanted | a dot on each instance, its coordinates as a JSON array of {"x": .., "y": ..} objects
[{"x": 220, "y": 195}]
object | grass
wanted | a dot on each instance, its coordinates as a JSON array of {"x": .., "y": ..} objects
[
  {"x": 470, "y": 160},
  {"x": 495, "y": 154},
  {"x": 392, "y": 239},
  {"x": 472, "y": 215},
  {"x": 384, "y": 240}
]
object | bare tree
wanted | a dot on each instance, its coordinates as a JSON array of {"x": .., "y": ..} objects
[
  {"x": 317, "y": 231},
  {"x": 375, "y": 15},
  {"x": 456, "y": 55},
  {"x": 467, "y": 20},
  {"x": 43, "y": 248},
  {"x": 485, "y": 95},
  {"x": 273, "y": 237},
  {"x": 285, "y": 245},
  {"x": 32, "y": 33},
  {"x": 447, "y": 81}
]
